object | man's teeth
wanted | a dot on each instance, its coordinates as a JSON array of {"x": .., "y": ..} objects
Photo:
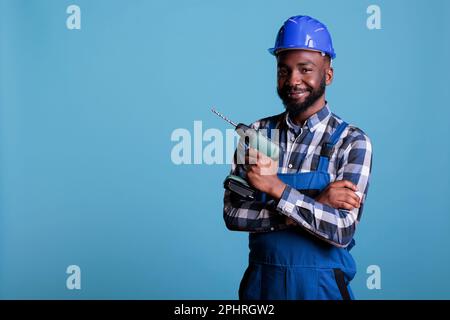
[{"x": 297, "y": 93}]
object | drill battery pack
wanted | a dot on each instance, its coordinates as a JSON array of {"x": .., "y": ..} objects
[{"x": 239, "y": 186}]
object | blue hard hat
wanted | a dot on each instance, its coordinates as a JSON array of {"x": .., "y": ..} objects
[{"x": 304, "y": 32}]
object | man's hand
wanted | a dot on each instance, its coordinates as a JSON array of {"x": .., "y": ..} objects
[
  {"x": 262, "y": 174},
  {"x": 340, "y": 195}
]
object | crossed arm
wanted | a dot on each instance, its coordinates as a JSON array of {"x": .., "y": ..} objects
[{"x": 332, "y": 216}]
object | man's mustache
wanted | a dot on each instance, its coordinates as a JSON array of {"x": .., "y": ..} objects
[{"x": 290, "y": 89}]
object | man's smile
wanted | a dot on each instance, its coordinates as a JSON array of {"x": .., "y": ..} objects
[{"x": 297, "y": 94}]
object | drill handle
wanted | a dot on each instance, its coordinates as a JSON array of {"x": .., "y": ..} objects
[{"x": 255, "y": 139}]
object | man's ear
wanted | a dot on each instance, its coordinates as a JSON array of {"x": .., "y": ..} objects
[{"x": 329, "y": 74}]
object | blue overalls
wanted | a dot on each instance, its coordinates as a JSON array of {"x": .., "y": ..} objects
[{"x": 292, "y": 263}]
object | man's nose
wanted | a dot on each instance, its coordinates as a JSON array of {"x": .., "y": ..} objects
[{"x": 295, "y": 78}]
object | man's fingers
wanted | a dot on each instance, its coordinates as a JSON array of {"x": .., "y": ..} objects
[
  {"x": 352, "y": 195},
  {"x": 345, "y": 205},
  {"x": 345, "y": 195},
  {"x": 339, "y": 196},
  {"x": 344, "y": 184},
  {"x": 349, "y": 197},
  {"x": 351, "y": 200}
]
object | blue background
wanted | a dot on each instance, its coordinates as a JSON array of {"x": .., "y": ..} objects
[{"x": 86, "y": 118}]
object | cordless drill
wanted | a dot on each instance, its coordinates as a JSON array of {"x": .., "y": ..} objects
[{"x": 249, "y": 138}]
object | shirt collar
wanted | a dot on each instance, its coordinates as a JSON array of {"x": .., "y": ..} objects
[{"x": 313, "y": 122}]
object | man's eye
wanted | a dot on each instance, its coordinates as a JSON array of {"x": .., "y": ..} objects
[
  {"x": 282, "y": 72},
  {"x": 305, "y": 70}
]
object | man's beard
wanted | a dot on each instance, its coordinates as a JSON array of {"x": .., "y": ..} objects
[{"x": 294, "y": 108}]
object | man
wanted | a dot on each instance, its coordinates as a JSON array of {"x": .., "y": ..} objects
[{"x": 310, "y": 201}]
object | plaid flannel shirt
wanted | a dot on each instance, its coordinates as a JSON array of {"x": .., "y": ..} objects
[{"x": 299, "y": 152}]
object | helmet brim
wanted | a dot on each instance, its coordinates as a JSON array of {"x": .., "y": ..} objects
[{"x": 276, "y": 51}]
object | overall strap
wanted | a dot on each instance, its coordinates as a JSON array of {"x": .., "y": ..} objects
[{"x": 327, "y": 147}]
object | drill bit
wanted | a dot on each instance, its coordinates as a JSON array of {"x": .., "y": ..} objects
[{"x": 223, "y": 117}]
